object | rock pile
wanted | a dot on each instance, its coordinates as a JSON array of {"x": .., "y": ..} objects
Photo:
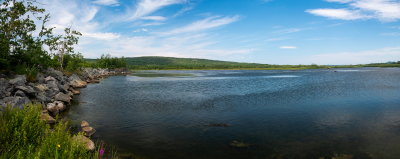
[{"x": 54, "y": 90}]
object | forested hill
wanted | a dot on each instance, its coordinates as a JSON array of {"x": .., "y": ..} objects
[{"x": 157, "y": 62}]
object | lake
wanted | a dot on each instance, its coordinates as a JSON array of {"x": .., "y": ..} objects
[{"x": 228, "y": 114}]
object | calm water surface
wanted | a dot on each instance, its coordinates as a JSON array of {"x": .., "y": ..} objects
[{"x": 276, "y": 114}]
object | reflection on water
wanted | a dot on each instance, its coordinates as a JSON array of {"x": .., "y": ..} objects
[{"x": 276, "y": 114}]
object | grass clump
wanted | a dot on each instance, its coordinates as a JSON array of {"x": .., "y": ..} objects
[{"x": 25, "y": 135}]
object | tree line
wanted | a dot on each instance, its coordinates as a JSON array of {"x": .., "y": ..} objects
[{"x": 26, "y": 46}]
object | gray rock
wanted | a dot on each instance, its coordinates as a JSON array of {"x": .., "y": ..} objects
[
  {"x": 74, "y": 77},
  {"x": 42, "y": 98},
  {"x": 20, "y": 93},
  {"x": 63, "y": 97},
  {"x": 26, "y": 89},
  {"x": 55, "y": 107},
  {"x": 64, "y": 88},
  {"x": 16, "y": 102},
  {"x": 60, "y": 105},
  {"x": 76, "y": 82},
  {"x": 86, "y": 142},
  {"x": 51, "y": 93},
  {"x": 88, "y": 131},
  {"x": 55, "y": 73},
  {"x": 3, "y": 87},
  {"x": 52, "y": 108},
  {"x": 84, "y": 124},
  {"x": 49, "y": 78},
  {"x": 41, "y": 88},
  {"x": 19, "y": 80},
  {"x": 53, "y": 88},
  {"x": 40, "y": 78}
]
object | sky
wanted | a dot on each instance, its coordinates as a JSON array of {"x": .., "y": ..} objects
[{"x": 257, "y": 31}]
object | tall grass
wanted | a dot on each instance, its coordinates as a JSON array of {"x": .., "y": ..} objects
[{"x": 24, "y": 135}]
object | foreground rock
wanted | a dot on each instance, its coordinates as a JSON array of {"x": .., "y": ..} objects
[
  {"x": 19, "y": 80},
  {"x": 87, "y": 129},
  {"x": 63, "y": 97},
  {"x": 55, "y": 107},
  {"x": 86, "y": 142},
  {"x": 15, "y": 102},
  {"x": 84, "y": 124},
  {"x": 46, "y": 117},
  {"x": 76, "y": 82}
]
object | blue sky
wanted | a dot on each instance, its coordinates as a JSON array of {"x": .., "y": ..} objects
[{"x": 261, "y": 31}]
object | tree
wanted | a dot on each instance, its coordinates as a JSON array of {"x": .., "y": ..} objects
[
  {"x": 62, "y": 45},
  {"x": 16, "y": 29}
]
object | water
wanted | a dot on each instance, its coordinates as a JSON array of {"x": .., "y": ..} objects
[{"x": 276, "y": 114}]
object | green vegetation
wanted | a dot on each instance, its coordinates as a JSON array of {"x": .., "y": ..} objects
[
  {"x": 25, "y": 135},
  {"x": 23, "y": 43},
  {"x": 171, "y": 63},
  {"x": 155, "y": 62},
  {"x": 106, "y": 61}
]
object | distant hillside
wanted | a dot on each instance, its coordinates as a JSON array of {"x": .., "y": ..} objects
[{"x": 156, "y": 62}]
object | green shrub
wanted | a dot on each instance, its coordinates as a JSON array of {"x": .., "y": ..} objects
[{"x": 24, "y": 135}]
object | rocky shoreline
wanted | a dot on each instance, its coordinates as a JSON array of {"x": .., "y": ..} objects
[{"x": 54, "y": 90}]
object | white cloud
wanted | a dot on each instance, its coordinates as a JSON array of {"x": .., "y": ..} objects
[
  {"x": 98, "y": 38},
  {"x": 107, "y": 2},
  {"x": 80, "y": 16},
  {"x": 290, "y": 30},
  {"x": 205, "y": 24},
  {"x": 155, "y": 18},
  {"x": 146, "y": 7},
  {"x": 361, "y": 57},
  {"x": 288, "y": 47},
  {"x": 101, "y": 36},
  {"x": 343, "y": 14},
  {"x": 383, "y": 10},
  {"x": 141, "y": 30}
]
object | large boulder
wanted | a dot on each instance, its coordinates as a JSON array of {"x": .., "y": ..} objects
[
  {"x": 84, "y": 124},
  {"x": 60, "y": 105},
  {"x": 76, "y": 82},
  {"x": 55, "y": 73},
  {"x": 84, "y": 141},
  {"x": 55, "y": 107},
  {"x": 88, "y": 131},
  {"x": 41, "y": 88},
  {"x": 20, "y": 93},
  {"x": 52, "y": 108},
  {"x": 42, "y": 98},
  {"x": 49, "y": 78},
  {"x": 26, "y": 89},
  {"x": 75, "y": 92},
  {"x": 19, "y": 80},
  {"x": 16, "y": 102},
  {"x": 63, "y": 97},
  {"x": 63, "y": 87},
  {"x": 53, "y": 88}
]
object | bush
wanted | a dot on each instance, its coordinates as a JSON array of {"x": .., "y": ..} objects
[{"x": 24, "y": 135}]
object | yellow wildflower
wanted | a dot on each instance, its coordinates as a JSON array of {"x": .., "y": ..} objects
[{"x": 58, "y": 145}]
